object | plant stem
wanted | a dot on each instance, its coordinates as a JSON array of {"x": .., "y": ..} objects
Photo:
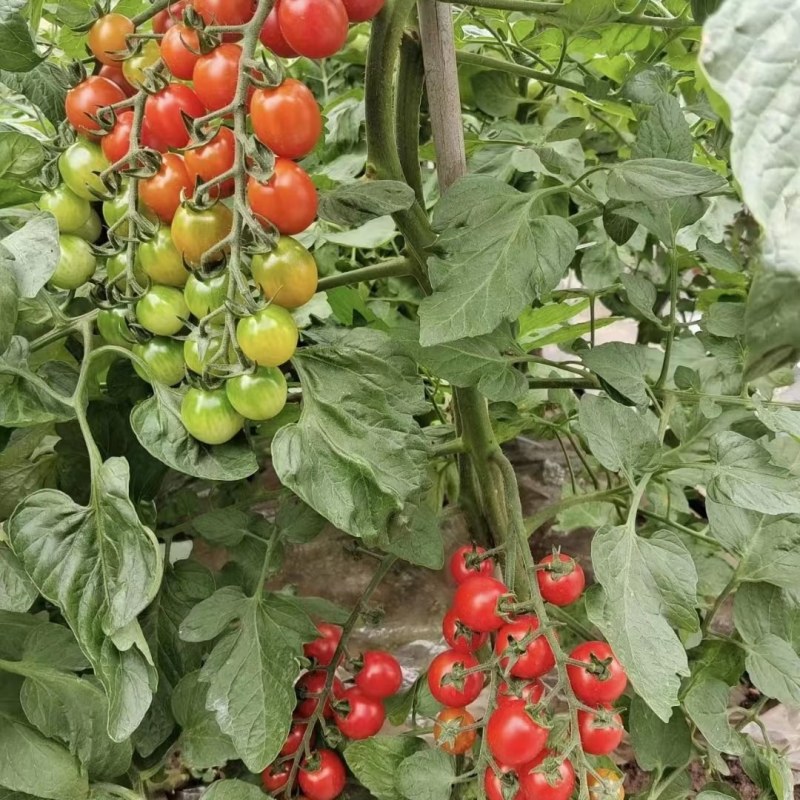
[
  {"x": 150, "y": 11},
  {"x": 391, "y": 268},
  {"x": 478, "y": 60},
  {"x": 723, "y": 596},
  {"x": 80, "y": 401},
  {"x": 532, "y": 524},
  {"x": 673, "y": 310}
]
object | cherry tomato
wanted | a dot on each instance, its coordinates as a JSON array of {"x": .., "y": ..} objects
[
  {"x": 324, "y": 646},
  {"x": 117, "y": 265},
  {"x": 288, "y": 199},
  {"x": 76, "y": 264},
  {"x": 287, "y": 274},
  {"x": 206, "y": 295},
  {"x": 69, "y": 210},
  {"x": 475, "y": 603},
  {"x": 286, "y": 119},
  {"x": 602, "y": 682},
  {"x": 84, "y": 101},
  {"x": 165, "y": 19},
  {"x": 164, "y": 112},
  {"x": 313, "y": 28},
  {"x": 115, "y": 209},
  {"x": 514, "y": 737},
  {"x": 380, "y": 675},
  {"x": 561, "y": 588},
  {"x": 459, "y": 637},
  {"x": 447, "y": 681},
  {"x": 259, "y": 396},
  {"x": 117, "y": 143},
  {"x": 449, "y": 734},
  {"x": 164, "y": 360},
  {"x": 209, "y": 417},
  {"x": 362, "y": 10},
  {"x": 294, "y": 739},
  {"x": 212, "y": 160},
  {"x": 162, "y": 310},
  {"x": 197, "y": 232},
  {"x": 113, "y": 326},
  {"x": 548, "y": 777},
  {"x": 529, "y": 691},
  {"x": 216, "y": 74},
  {"x": 164, "y": 191},
  {"x": 135, "y": 68},
  {"x": 606, "y": 786},
  {"x": 272, "y": 38},
  {"x": 308, "y": 688},
  {"x": 529, "y": 661},
  {"x": 108, "y": 38},
  {"x": 357, "y": 715},
  {"x": 276, "y": 776},
  {"x": 199, "y": 351},
  {"x": 114, "y": 73},
  {"x": 225, "y": 12},
  {"x": 161, "y": 260},
  {"x": 180, "y": 49},
  {"x": 323, "y": 776},
  {"x": 79, "y": 166},
  {"x": 600, "y": 731},
  {"x": 504, "y": 786},
  {"x": 268, "y": 337},
  {"x": 91, "y": 230},
  {"x": 461, "y": 568}
]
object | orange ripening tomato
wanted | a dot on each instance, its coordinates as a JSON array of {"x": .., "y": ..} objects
[
  {"x": 84, "y": 101},
  {"x": 212, "y": 160},
  {"x": 162, "y": 193},
  {"x": 288, "y": 199},
  {"x": 108, "y": 38},
  {"x": 286, "y": 119}
]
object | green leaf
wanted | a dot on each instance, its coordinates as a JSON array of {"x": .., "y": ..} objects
[
  {"x": 17, "y": 593},
  {"x": 651, "y": 179},
  {"x": 620, "y": 438},
  {"x": 101, "y": 567},
  {"x": 665, "y": 133},
  {"x": 233, "y": 789},
  {"x": 719, "y": 660},
  {"x": 658, "y": 745},
  {"x": 759, "y": 609},
  {"x": 426, "y": 775},
  {"x": 297, "y": 521},
  {"x": 17, "y": 50},
  {"x": 622, "y": 366},
  {"x": 744, "y": 476},
  {"x": 498, "y": 255},
  {"x": 202, "y": 743},
  {"x": 415, "y": 536},
  {"x": 357, "y": 203},
  {"x": 778, "y": 418},
  {"x": 701, "y": 11},
  {"x": 158, "y": 427},
  {"x": 664, "y": 218},
  {"x": 725, "y": 320},
  {"x": 649, "y": 586},
  {"x": 34, "y": 251},
  {"x": 736, "y": 55},
  {"x": 371, "y": 235},
  {"x": 375, "y": 762},
  {"x": 27, "y": 463},
  {"x": 35, "y": 765},
  {"x": 12, "y": 193},
  {"x": 641, "y": 295},
  {"x": 707, "y": 703},
  {"x": 496, "y": 93},
  {"x": 45, "y": 86},
  {"x": 357, "y": 455},
  {"x": 20, "y": 156},
  {"x": 252, "y": 669},
  {"x": 717, "y": 255},
  {"x": 774, "y": 668},
  {"x": 9, "y": 305}
]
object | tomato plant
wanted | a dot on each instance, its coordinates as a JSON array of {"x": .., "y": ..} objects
[
  {"x": 357, "y": 715},
  {"x": 522, "y": 651},
  {"x": 286, "y": 119},
  {"x": 268, "y": 337},
  {"x": 597, "y": 677},
  {"x": 208, "y": 416},
  {"x": 70, "y": 210},
  {"x": 85, "y": 101},
  {"x": 166, "y": 112},
  {"x": 322, "y": 777},
  {"x": 76, "y": 263},
  {"x": 476, "y": 603},
  {"x": 180, "y": 50},
  {"x": 197, "y": 232},
  {"x": 449, "y": 731},
  {"x": 465, "y": 563},
  {"x": 288, "y": 200},
  {"x": 379, "y": 675},
  {"x": 163, "y": 360},
  {"x": 287, "y": 275},
  {"x": 80, "y": 166},
  {"x": 211, "y": 160},
  {"x": 453, "y": 679},
  {"x": 514, "y": 737},
  {"x": 162, "y": 310},
  {"x": 108, "y": 38},
  {"x": 459, "y": 636}
]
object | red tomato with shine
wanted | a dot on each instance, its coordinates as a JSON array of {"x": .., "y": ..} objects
[
  {"x": 86, "y": 99},
  {"x": 447, "y": 682},
  {"x": 459, "y": 637},
  {"x": 313, "y": 28},
  {"x": 211, "y": 160},
  {"x": 117, "y": 143},
  {"x": 536, "y": 658},
  {"x": 603, "y": 680},
  {"x": 323, "y": 777},
  {"x": 358, "y": 716},
  {"x": 294, "y": 739},
  {"x": 165, "y": 19},
  {"x": 225, "y": 12},
  {"x": 514, "y": 737},
  {"x": 180, "y": 50},
  {"x": 114, "y": 73},
  {"x": 323, "y": 648},
  {"x": 380, "y": 675},
  {"x": 362, "y": 10},
  {"x": 162, "y": 192},
  {"x": 163, "y": 112},
  {"x": 272, "y": 38},
  {"x": 460, "y": 569},
  {"x": 276, "y": 776},
  {"x": 476, "y": 600},
  {"x": 600, "y": 731},
  {"x": 548, "y": 778},
  {"x": 286, "y": 119},
  {"x": 288, "y": 199},
  {"x": 559, "y": 588},
  {"x": 531, "y": 692},
  {"x": 308, "y": 688},
  {"x": 499, "y": 787},
  {"x": 216, "y": 74}
]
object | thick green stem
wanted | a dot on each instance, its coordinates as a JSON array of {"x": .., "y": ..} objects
[
  {"x": 674, "y": 272},
  {"x": 391, "y": 268},
  {"x": 477, "y": 60},
  {"x": 410, "y": 86}
]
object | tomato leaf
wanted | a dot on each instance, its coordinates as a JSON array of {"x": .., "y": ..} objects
[
  {"x": 623, "y": 366},
  {"x": 356, "y": 203},
  {"x": 9, "y": 303},
  {"x": 655, "y": 179},
  {"x": 706, "y": 703},
  {"x": 375, "y": 762},
  {"x": 34, "y": 252},
  {"x": 658, "y": 744},
  {"x": 665, "y": 133},
  {"x": 17, "y": 48},
  {"x": 45, "y": 86},
  {"x": 17, "y": 593},
  {"x": 426, "y": 775},
  {"x": 233, "y": 789}
]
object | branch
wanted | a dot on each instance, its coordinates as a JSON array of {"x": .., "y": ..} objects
[
  {"x": 391, "y": 268},
  {"x": 477, "y": 60}
]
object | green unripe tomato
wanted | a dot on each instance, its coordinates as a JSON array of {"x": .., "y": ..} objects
[
  {"x": 116, "y": 265},
  {"x": 198, "y": 351},
  {"x": 79, "y": 165},
  {"x": 116, "y": 208},
  {"x": 161, "y": 260},
  {"x": 92, "y": 228},
  {"x": 164, "y": 360},
  {"x": 269, "y": 337},
  {"x": 113, "y": 326},
  {"x": 208, "y": 416},
  {"x": 206, "y": 295},
  {"x": 70, "y": 211},
  {"x": 162, "y": 310},
  {"x": 76, "y": 263},
  {"x": 259, "y": 396}
]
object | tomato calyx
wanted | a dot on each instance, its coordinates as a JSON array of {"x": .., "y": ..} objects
[
  {"x": 458, "y": 675},
  {"x": 599, "y": 667}
]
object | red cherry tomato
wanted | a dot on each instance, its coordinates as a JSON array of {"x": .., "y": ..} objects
[
  {"x": 225, "y": 12},
  {"x": 460, "y": 569},
  {"x": 313, "y": 28},
  {"x": 117, "y": 144},
  {"x": 603, "y": 681},
  {"x": 548, "y": 778},
  {"x": 600, "y": 731},
  {"x": 380, "y": 675},
  {"x": 294, "y": 739},
  {"x": 272, "y": 38},
  {"x": 86, "y": 99},
  {"x": 308, "y": 689},
  {"x": 163, "y": 112},
  {"x": 211, "y": 160},
  {"x": 114, "y": 73},
  {"x": 165, "y": 19},
  {"x": 475, "y": 603},
  {"x": 180, "y": 50},
  {"x": 162, "y": 192},
  {"x": 323, "y": 648},
  {"x": 504, "y": 786},
  {"x": 362, "y": 10},
  {"x": 449, "y": 734},
  {"x": 288, "y": 199},
  {"x": 276, "y": 776},
  {"x": 108, "y": 38},
  {"x": 514, "y": 737},
  {"x": 286, "y": 119},
  {"x": 447, "y": 681},
  {"x": 216, "y": 74},
  {"x": 561, "y": 588},
  {"x": 323, "y": 776},
  {"x": 529, "y": 691},
  {"x": 459, "y": 637},
  {"x": 358, "y": 716},
  {"x": 531, "y": 661}
]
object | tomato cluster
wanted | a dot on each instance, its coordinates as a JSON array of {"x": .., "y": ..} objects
[
  {"x": 356, "y": 711},
  {"x": 175, "y": 306},
  {"x": 486, "y": 634}
]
